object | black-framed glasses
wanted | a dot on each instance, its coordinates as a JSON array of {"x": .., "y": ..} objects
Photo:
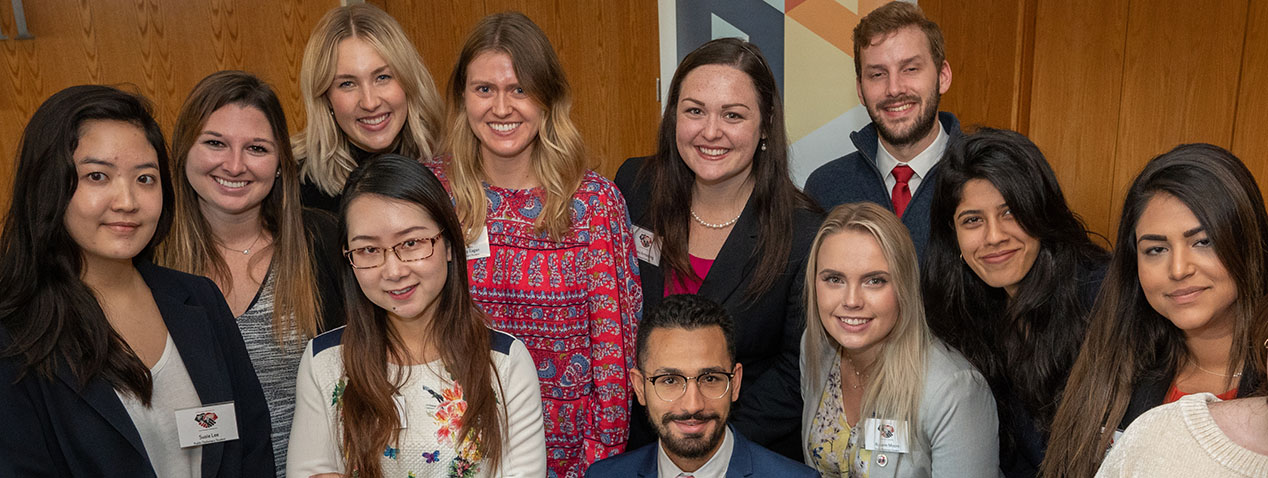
[
  {"x": 409, "y": 250},
  {"x": 672, "y": 386}
]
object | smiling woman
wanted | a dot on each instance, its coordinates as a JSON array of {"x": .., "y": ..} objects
[
  {"x": 103, "y": 354},
  {"x": 1178, "y": 307},
  {"x": 552, "y": 257},
  {"x": 366, "y": 91}
]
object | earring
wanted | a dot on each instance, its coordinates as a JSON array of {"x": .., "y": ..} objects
[
  {"x": 278, "y": 174},
  {"x": 763, "y": 145}
]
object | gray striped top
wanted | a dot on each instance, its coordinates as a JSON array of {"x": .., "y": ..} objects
[{"x": 275, "y": 365}]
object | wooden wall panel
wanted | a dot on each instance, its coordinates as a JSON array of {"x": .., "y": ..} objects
[
  {"x": 1249, "y": 141},
  {"x": 1180, "y": 79},
  {"x": 610, "y": 55},
  {"x": 988, "y": 50},
  {"x": 161, "y": 48},
  {"x": 1075, "y": 96}
]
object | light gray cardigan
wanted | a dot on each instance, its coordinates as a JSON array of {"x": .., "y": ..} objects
[{"x": 958, "y": 434}]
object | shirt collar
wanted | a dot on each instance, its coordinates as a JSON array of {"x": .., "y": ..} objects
[
  {"x": 714, "y": 468},
  {"x": 922, "y": 163}
]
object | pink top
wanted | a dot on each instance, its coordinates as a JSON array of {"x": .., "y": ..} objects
[{"x": 678, "y": 285}]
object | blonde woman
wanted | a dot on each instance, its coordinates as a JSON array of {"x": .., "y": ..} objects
[
  {"x": 551, "y": 255},
  {"x": 366, "y": 91},
  {"x": 238, "y": 221},
  {"x": 882, "y": 396}
]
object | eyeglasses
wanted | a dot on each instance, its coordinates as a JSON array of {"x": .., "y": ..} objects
[
  {"x": 672, "y": 386},
  {"x": 409, "y": 250}
]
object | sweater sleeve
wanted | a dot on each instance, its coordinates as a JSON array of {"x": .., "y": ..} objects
[
  {"x": 963, "y": 430},
  {"x": 524, "y": 451},
  {"x": 313, "y": 448},
  {"x": 615, "y": 303}
]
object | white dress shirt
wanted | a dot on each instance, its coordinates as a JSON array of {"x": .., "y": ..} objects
[{"x": 921, "y": 164}]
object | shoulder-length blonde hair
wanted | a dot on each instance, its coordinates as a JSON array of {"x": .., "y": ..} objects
[
  {"x": 322, "y": 146},
  {"x": 558, "y": 155},
  {"x": 896, "y": 384},
  {"x": 190, "y": 245}
]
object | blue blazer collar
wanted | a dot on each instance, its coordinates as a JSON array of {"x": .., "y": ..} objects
[
  {"x": 740, "y": 466},
  {"x": 189, "y": 326}
]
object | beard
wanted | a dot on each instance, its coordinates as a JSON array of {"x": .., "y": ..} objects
[
  {"x": 917, "y": 131},
  {"x": 691, "y": 446}
]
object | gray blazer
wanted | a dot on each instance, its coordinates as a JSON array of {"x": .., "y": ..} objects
[{"x": 958, "y": 434}]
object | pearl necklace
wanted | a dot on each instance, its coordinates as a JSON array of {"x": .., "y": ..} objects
[{"x": 711, "y": 225}]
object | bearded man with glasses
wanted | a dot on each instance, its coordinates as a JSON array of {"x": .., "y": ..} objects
[{"x": 687, "y": 378}]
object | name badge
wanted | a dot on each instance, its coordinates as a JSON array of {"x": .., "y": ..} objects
[
  {"x": 207, "y": 424},
  {"x": 400, "y": 410},
  {"x": 885, "y": 435},
  {"x": 480, "y": 248},
  {"x": 646, "y": 246}
]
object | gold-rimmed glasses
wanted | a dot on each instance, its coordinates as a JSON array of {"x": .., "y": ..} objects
[
  {"x": 672, "y": 386},
  {"x": 409, "y": 250}
]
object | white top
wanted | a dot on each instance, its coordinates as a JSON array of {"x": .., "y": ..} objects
[
  {"x": 1180, "y": 439},
  {"x": 714, "y": 468},
  {"x": 432, "y": 406},
  {"x": 173, "y": 390},
  {"x": 921, "y": 164}
]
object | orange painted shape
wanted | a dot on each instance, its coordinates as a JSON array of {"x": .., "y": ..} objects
[
  {"x": 789, "y": 5},
  {"x": 828, "y": 19}
]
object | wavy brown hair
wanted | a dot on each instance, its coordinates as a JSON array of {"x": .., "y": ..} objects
[
  {"x": 774, "y": 197},
  {"x": 190, "y": 247},
  {"x": 1127, "y": 340},
  {"x": 457, "y": 332},
  {"x": 558, "y": 154}
]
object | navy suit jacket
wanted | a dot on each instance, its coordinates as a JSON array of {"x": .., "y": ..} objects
[
  {"x": 56, "y": 428},
  {"x": 747, "y": 460},
  {"x": 767, "y": 329}
]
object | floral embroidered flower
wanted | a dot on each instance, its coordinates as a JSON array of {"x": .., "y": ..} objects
[{"x": 338, "y": 393}]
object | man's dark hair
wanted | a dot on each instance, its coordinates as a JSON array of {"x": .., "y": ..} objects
[{"x": 686, "y": 311}]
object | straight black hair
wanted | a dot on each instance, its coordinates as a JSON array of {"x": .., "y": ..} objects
[{"x": 53, "y": 318}]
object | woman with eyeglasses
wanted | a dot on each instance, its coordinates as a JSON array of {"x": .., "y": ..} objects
[
  {"x": 110, "y": 365},
  {"x": 880, "y": 392},
  {"x": 407, "y": 388}
]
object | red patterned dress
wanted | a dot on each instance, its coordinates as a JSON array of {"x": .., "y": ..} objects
[{"x": 575, "y": 303}]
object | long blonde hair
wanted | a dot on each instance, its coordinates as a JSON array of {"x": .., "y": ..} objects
[
  {"x": 897, "y": 380},
  {"x": 558, "y": 156},
  {"x": 322, "y": 146},
  {"x": 189, "y": 246}
]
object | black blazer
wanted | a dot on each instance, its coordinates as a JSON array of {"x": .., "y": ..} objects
[
  {"x": 54, "y": 428},
  {"x": 767, "y": 330}
]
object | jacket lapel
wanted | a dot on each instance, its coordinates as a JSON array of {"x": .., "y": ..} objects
[
  {"x": 728, "y": 270},
  {"x": 102, "y": 398},
  {"x": 741, "y": 464},
  {"x": 648, "y": 468},
  {"x": 191, "y": 332}
]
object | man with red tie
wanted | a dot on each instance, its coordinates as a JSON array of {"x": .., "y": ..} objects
[{"x": 901, "y": 72}]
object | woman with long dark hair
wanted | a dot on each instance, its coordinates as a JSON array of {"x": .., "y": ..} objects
[
  {"x": 1009, "y": 279},
  {"x": 238, "y": 221},
  {"x": 552, "y": 257},
  {"x": 718, "y": 215},
  {"x": 1177, "y": 309},
  {"x": 416, "y": 383},
  {"x": 106, "y": 360}
]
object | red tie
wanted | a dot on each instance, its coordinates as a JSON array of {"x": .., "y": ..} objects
[{"x": 902, "y": 193}]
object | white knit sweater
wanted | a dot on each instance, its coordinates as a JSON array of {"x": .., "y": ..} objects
[{"x": 1180, "y": 439}]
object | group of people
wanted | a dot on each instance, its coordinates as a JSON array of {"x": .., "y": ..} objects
[{"x": 435, "y": 284}]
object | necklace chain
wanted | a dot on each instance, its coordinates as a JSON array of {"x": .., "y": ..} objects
[
  {"x": 711, "y": 225},
  {"x": 1195, "y": 364},
  {"x": 857, "y": 376},
  {"x": 246, "y": 251}
]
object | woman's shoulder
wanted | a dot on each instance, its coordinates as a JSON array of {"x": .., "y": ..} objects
[
  {"x": 171, "y": 282},
  {"x": 947, "y": 368}
]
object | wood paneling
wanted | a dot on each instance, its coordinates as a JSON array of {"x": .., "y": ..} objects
[
  {"x": 610, "y": 55},
  {"x": 1249, "y": 141},
  {"x": 1075, "y": 96},
  {"x": 987, "y": 48},
  {"x": 159, "y": 48},
  {"x": 1180, "y": 78}
]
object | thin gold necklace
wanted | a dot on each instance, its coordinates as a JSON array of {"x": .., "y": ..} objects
[
  {"x": 1195, "y": 364},
  {"x": 857, "y": 376},
  {"x": 247, "y": 251}
]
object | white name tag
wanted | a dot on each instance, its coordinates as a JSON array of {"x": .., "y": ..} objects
[
  {"x": 646, "y": 246},
  {"x": 207, "y": 424},
  {"x": 480, "y": 248},
  {"x": 885, "y": 435}
]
